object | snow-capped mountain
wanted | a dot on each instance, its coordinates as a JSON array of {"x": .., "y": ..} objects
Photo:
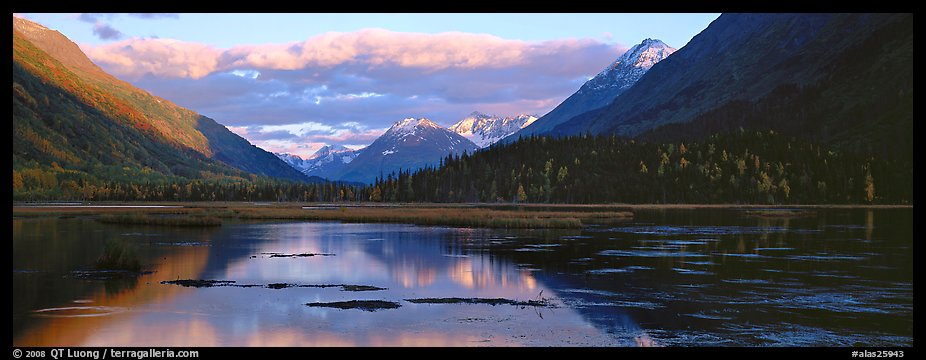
[
  {"x": 602, "y": 89},
  {"x": 630, "y": 67},
  {"x": 485, "y": 130},
  {"x": 292, "y": 160},
  {"x": 325, "y": 162},
  {"x": 409, "y": 144}
]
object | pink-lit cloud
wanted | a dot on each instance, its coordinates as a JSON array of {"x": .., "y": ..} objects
[
  {"x": 286, "y": 97},
  {"x": 160, "y": 57},
  {"x": 369, "y": 48}
]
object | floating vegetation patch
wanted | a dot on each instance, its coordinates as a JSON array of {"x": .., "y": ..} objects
[
  {"x": 282, "y": 255},
  {"x": 231, "y": 283},
  {"x": 365, "y": 305},
  {"x": 199, "y": 283},
  {"x": 107, "y": 274},
  {"x": 488, "y": 301}
]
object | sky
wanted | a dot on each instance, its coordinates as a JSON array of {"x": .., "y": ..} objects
[{"x": 293, "y": 83}]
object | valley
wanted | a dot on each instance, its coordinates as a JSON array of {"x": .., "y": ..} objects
[{"x": 456, "y": 180}]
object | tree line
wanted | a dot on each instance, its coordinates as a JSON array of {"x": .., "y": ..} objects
[
  {"x": 755, "y": 167},
  {"x": 752, "y": 167}
]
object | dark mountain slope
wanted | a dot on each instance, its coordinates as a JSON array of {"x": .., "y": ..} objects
[{"x": 843, "y": 79}]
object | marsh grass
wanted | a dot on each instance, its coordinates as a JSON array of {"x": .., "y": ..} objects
[
  {"x": 463, "y": 217},
  {"x": 145, "y": 219},
  {"x": 208, "y": 214},
  {"x": 118, "y": 255}
]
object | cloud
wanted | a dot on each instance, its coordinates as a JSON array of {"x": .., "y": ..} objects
[
  {"x": 156, "y": 15},
  {"x": 106, "y": 32},
  {"x": 162, "y": 57},
  {"x": 299, "y": 129},
  {"x": 94, "y": 17},
  {"x": 304, "y": 139},
  {"x": 347, "y": 88},
  {"x": 368, "y": 49}
]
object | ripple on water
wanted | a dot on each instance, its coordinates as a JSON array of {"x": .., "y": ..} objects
[
  {"x": 691, "y": 272},
  {"x": 627, "y": 269},
  {"x": 690, "y": 242},
  {"x": 588, "y": 291},
  {"x": 827, "y": 257},
  {"x": 745, "y": 281},
  {"x": 79, "y": 311},
  {"x": 575, "y": 237},
  {"x": 644, "y": 253},
  {"x": 701, "y": 315},
  {"x": 707, "y": 230}
]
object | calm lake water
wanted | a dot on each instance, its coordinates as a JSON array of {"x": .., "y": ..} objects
[{"x": 718, "y": 277}]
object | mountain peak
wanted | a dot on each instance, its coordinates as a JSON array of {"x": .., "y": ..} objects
[
  {"x": 602, "y": 89},
  {"x": 324, "y": 150},
  {"x": 643, "y": 55},
  {"x": 58, "y": 46},
  {"x": 484, "y": 130},
  {"x": 650, "y": 42},
  {"x": 630, "y": 67},
  {"x": 409, "y": 125},
  {"x": 410, "y": 144}
]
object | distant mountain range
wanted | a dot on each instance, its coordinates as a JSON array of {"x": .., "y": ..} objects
[
  {"x": 72, "y": 119},
  {"x": 409, "y": 144},
  {"x": 602, "y": 89},
  {"x": 485, "y": 130},
  {"x": 835, "y": 79}
]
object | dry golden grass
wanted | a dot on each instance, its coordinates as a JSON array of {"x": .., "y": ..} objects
[
  {"x": 145, "y": 219},
  {"x": 465, "y": 217}
]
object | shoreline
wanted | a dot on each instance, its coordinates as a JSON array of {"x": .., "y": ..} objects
[
  {"x": 172, "y": 205},
  {"x": 472, "y": 215}
]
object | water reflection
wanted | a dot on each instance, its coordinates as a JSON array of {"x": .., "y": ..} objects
[
  {"x": 410, "y": 261},
  {"x": 676, "y": 278}
]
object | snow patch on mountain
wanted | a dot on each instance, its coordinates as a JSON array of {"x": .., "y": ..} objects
[
  {"x": 629, "y": 67},
  {"x": 485, "y": 130},
  {"x": 324, "y": 162}
]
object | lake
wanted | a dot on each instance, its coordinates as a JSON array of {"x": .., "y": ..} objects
[{"x": 677, "y": 277}]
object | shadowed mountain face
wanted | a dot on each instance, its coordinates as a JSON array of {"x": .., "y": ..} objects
[
  {"x": 408, "y": 144},
  {"x": 69, "y": 112},
  {"x": 844, "y": 79},
  {"x": 599, "y": 91}
]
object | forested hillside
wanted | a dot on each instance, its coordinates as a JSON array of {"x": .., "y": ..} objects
[{"x": 739, "y": 167}]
